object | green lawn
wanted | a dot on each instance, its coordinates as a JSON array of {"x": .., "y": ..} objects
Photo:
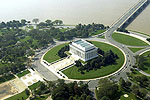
[
  {"x": 74, "y": 74},
  {"x": 20, "y": 96},
  {"x": 130, "y": 97},
  {"x": 64, "y": 29},
  {"x": 147, "y": 62},
  {"x": 35, "y": 85},
  {"x": 135, "y": 49},
  {"x": 2, "y": 65},
  {"x": 41, "y": 97},
  {"x": 23, "y": 73},
  {"x": 97, "y": 32},
  {"x": 0, "y": 33},
  {"x": 83, "y": 62},
  {"x": 103, "y": 37},
  {"x": 25, "y": 39},
  {"x": 128, "y": 40},
  {"x": 28, "y": 38},
  {"x": 52, "y": 55}
]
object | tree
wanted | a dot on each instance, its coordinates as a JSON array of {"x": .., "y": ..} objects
[
  {"x": 78, "y": 63},
  {"x": 60, "y": 93},
  {"x": 23, "y": 22},
  {"x": 140, "y": 60},
  {"x": 27, "y": 92},
  {"x": 104, "y": 98},
  {"x": 128, "y": 84},
  {"x": 71, "y": 98},
  {"x": 122, "y": 83},
  {"x": 148, "y": 39},
  {"x": 49, "y": 22},
  {"x": 89, "y": 97},
  {"x": 58, "y": 22},
  {"x": 142, "y": 92},
  {"x": 35, "y": 20},
  {"x": 83, "y": 97},
  {"x": 106, "y": 88}
]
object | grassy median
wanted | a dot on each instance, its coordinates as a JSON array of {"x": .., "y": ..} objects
[
  {"x": 128, "y": 40},
  {"x": 135, "y": 49}
]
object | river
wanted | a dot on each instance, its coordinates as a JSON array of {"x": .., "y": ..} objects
[{"x": 74, "y": 11}]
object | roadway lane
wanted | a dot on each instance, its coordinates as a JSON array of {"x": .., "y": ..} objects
[{"x": 46, "y": 74}]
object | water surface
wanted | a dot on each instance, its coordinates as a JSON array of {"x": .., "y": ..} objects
[{"x": 74, "y": 11}]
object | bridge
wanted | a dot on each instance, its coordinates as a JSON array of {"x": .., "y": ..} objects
[{"x": 130, "y": 15}]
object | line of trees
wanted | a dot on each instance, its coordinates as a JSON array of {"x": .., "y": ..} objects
[
  {"x": 49, "y": 23},
  {"x": 80, "y": 30},
  {"x": 14, "y": 24},
  {"x": 141, "y": 84}
]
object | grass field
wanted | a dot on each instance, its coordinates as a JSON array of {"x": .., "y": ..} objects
[
  {"x": 20, "y": 96},
  {"x": 0, "y": 33},
  {"x": 135, "y": 49},
  {"x": 52, "y": 55},
  {"x": 35, "y": 85},
  {"x": 74, "y": 74},
  {"x": 128, "y": 40},
  {"x": 64, "y": 29},
  {"x": 103, "y": 37},
  {"x": 147, "y": 62},
  {"x": 41, "y": 97},
  {"x": 130, "y": 97},
  {"x": 2, "y": 65},
  {"x": 97, "y": 32},
  {"x": 23, "y": 73},
  {"x": 28, "y": 38}
]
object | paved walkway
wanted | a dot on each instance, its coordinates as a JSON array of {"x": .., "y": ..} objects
[{"x": 144, "y": 73}]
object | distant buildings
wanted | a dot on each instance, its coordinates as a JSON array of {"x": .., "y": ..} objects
[{"x": 83, "y": 49}]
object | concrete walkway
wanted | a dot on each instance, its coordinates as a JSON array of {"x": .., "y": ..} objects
[{"x": 144, "y": 73}]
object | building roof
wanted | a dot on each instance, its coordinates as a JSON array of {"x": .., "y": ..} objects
[{"x": 83, "y": 45}]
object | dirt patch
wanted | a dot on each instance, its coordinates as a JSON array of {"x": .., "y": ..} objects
[
  {"x": 34, "y": 80},
  {"x": 29, "y": 75},
  {"x": 6, "y": 89},
  {"x": 29, "y": 83},
  {"x": 24, "y": 77}
]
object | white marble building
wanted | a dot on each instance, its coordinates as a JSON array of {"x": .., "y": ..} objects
[{"x": 83, "y": 49}]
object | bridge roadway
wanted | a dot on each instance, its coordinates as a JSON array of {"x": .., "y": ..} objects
[{"x": 128, "y": 14}]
